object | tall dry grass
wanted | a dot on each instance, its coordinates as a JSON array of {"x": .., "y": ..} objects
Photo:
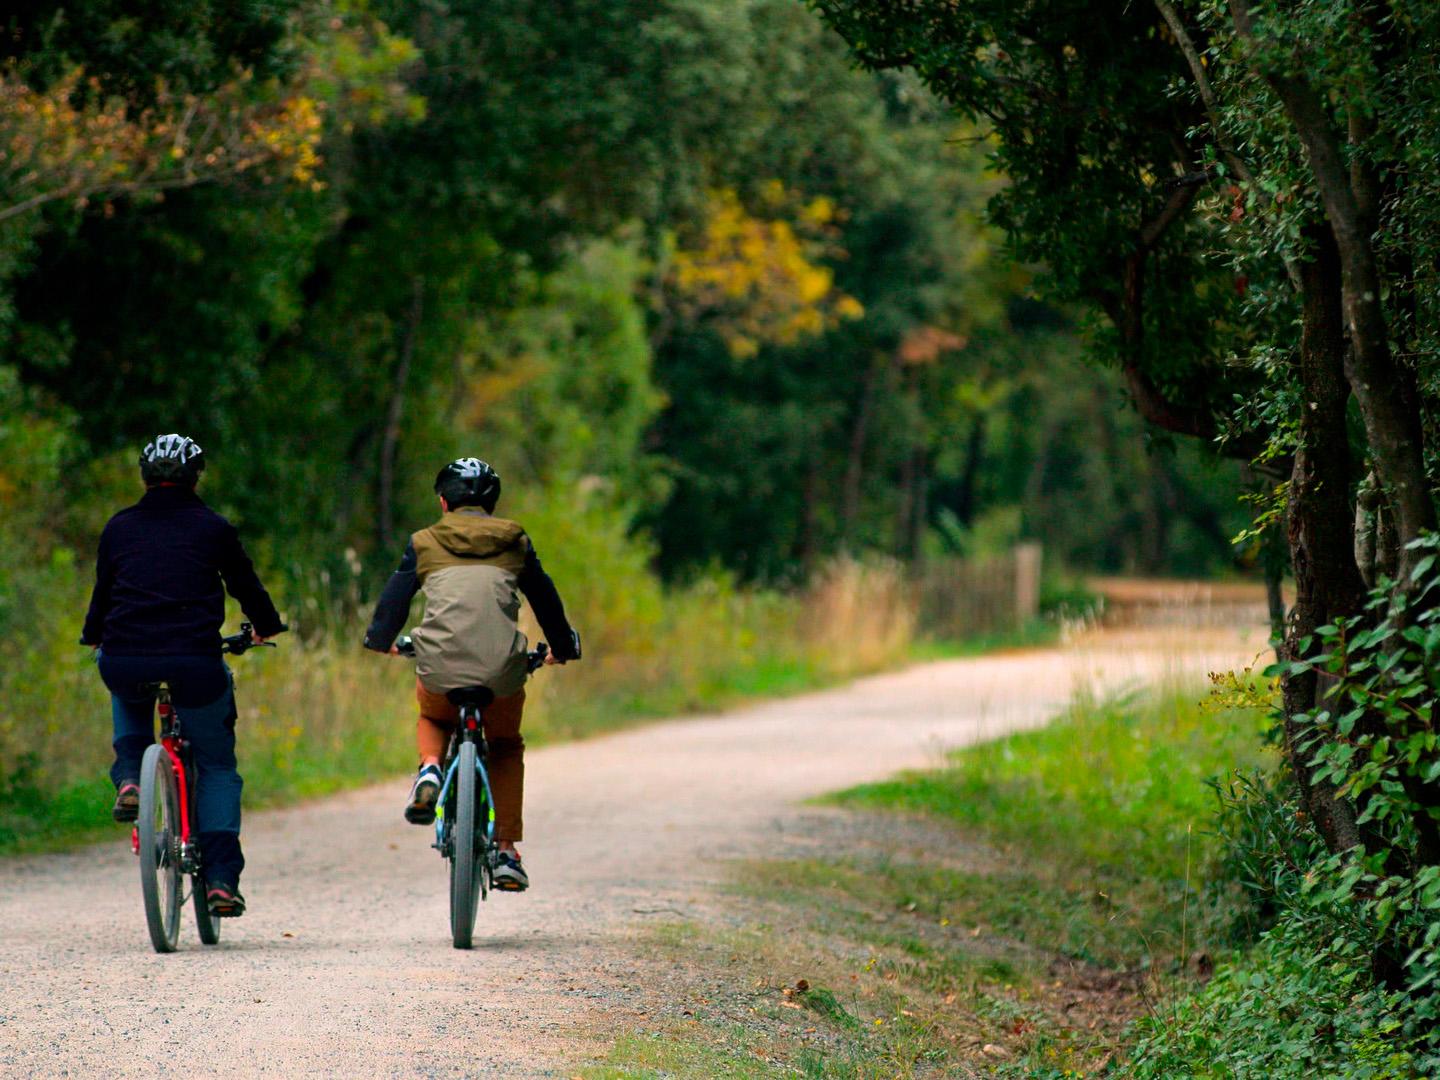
[
  {"x": 858, "y": 616},
  {"x": 319, "y": 713}
]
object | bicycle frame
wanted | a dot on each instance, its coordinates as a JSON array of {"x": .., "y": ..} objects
[
  {"x": 468, "y": 729},
  {"x": 177, "y": 750}
]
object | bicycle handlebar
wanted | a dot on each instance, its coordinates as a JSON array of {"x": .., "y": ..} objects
[{"x": 244, "y": 641}]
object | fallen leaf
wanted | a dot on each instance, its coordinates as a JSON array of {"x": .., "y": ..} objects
[{"x": 995, "y": 1050}]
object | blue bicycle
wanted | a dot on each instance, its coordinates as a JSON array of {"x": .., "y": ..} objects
[{"x": 465, "y": 811}]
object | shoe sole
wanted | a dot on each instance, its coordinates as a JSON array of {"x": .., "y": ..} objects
[
  {"x": 422, "y": 811},
  {"x": 508, "y": 884},
  {"x": 225, "y": 909},
  {"x": 127, "y": 812}
]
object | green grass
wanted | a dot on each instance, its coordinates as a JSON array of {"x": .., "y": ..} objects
[
  {"x": 676, "y": 1053},
  {"x": 1118, "y": 786},
  {"x": 1028, "y": 897}
]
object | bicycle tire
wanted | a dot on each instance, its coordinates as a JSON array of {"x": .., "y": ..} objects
[
  {"x": 159, "y": 826},
  {"x": 464, "y": 866},
  {"x": 207, "y": 924}
]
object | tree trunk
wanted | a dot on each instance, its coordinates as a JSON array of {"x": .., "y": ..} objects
[
  {"x": 855, "y": 459},
  {"x": 920, "y": 508},
  {"x": 390, "y": 441},
  {"x": 1322, "y": 550},
  {"x": 808, "y": 542},
  {"x": 969, "y": 478},
  {"x": 905, "y": 512}
]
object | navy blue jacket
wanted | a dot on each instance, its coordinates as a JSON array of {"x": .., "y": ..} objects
[{"x": 161, "y": 575}]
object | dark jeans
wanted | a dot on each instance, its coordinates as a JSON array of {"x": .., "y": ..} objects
[{"x": 204, "y": 698}]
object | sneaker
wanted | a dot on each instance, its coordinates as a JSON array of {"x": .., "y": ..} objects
[
  {"x": 509, "y": 875},
  {"x": 421, "y": 808},
  {"x": 225, "y": 901},
  {"x": 127, "y": 801}
]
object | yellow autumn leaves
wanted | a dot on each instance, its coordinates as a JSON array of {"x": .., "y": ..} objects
[
  {"x": 759, "y": 280},
  {"x": 69, "y": 141}
]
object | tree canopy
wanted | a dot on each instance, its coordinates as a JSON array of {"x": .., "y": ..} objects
[{"x": 1236, "y": 189}]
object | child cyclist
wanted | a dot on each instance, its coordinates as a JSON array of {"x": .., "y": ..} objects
[
  {"x": 155, "y": 616},
  {"x": 473, "y": 568}
]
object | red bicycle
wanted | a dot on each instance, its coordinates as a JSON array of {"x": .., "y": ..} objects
[{"x": 164, "y": 836}]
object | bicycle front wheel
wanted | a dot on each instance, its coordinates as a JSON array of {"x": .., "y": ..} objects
[
  {"x": 465, "y": 867},
  {"x": 159, "y": 826}
]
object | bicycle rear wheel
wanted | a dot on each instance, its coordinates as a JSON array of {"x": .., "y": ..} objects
[
  {"x": 465, "y": 867},
  {"x": 207, "y": 924},
  {"x": 159, "y": 826}
]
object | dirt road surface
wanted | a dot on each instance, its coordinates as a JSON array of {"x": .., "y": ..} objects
[{"x": 343, "y": 966}]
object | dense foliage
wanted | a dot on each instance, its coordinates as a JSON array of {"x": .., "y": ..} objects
[
  {"x": 1237, "y": 190},
  {"x": 676, "y": 258}
]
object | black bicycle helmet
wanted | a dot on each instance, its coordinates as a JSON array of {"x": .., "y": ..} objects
[
  {"x": 468, "y": 481},
  {"x": 172, "y": 459}
]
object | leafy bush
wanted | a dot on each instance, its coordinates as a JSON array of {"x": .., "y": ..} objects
[
  {"x": 1374, "y": 738},
  {"x": 1345, "y": 982},
  {"x": 1303, "y": 1002},
  {"x": 1299, "y": 1006}
]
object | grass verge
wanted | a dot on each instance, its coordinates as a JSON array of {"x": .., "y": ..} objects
[
  {"x": 319, "y": 715},
  {"x": 1014, "y": 912}
]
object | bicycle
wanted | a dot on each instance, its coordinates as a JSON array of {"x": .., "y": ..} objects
[
  {"x": 471, "y": 812},
  {"x": 163, "y": 835}
]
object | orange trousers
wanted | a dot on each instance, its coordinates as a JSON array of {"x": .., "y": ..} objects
[{"x": 506, "y": 763}]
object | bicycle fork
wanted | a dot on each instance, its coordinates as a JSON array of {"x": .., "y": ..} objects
[
  {"x": 175, "y": 748},
  {"x": 469, "y": 722}
]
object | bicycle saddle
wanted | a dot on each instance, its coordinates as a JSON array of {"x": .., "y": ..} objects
[{"x": 478, "y": 696}]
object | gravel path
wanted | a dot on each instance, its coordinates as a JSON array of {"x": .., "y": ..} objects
[{"x": 343, "y": 965}]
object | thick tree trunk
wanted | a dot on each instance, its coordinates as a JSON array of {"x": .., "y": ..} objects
[{"x": 1322, "y": 550}]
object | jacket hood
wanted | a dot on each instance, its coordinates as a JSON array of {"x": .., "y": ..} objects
[{"x": 475, "y": 535}]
